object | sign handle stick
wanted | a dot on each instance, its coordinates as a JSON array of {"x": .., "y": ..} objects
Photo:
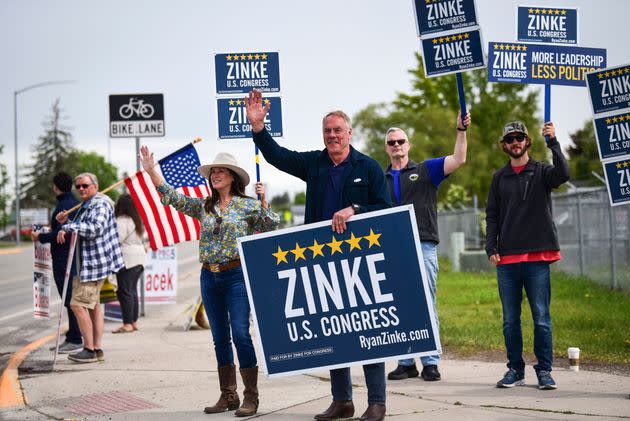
[
  {"x": 547, "y": 107},
  {"x": 257, "y": 167},
  {"x": 73, "y": 241},
  {"x": 462, "y": 97}
]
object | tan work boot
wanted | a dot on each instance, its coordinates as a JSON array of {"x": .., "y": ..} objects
[
  {"x": 228, "y": 401},
  {"x": 250, "y": 394}
]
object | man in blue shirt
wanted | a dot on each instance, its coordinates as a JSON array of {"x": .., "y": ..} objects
[
  {"x": 340, "y": 182},
  {"x": 417, "y": 184}
]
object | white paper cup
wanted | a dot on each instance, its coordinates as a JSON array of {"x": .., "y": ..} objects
[{"x": 574, "y": 358}]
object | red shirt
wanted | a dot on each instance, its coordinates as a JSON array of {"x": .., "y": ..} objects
[{"x": 537, "y": 256}]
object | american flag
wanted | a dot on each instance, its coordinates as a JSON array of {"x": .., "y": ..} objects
[{"x": 164, "y": 224}]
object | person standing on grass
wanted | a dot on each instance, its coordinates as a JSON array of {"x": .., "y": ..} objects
[
  {"x": 130, "y": 230},
  {"x": 522, "y": 241},
  {"x": 417, "y": 184},
  {"x": 98, "y": 257}
]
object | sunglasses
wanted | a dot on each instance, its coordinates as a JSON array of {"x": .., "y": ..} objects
[
  {"x": 393, "y": 142},
  {"x": 217, "y": 226},
  {"x": 81, "y": 186},
  {"x": 509, "y": 139}
]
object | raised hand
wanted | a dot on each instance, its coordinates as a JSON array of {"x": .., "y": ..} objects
[
  {"x": 256, "y": 113},
  {"x": 146, "y": 158}
]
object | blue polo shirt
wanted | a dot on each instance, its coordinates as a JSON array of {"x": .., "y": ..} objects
[
  {"x": 435, "y": 167},
  {"x": 332, "y": 196}
]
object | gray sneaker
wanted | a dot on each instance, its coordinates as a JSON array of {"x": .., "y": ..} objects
[
  {"x": 68, "y": 347},
  {"x": 100, "y": 355},
  {"x": 84, "y": 356}
]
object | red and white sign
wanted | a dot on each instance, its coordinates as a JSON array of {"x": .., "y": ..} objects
[
  {"x": 160, "y": 276},
  {"x": 42, "y": 278}
]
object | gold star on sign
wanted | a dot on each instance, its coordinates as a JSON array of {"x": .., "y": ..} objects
[
  {"x": 607, "y": 74},
  {"x": 229, "y": 57},
  {"x": 257, "y": 56},
  {"x": 299, "y": 252},
  {"x": 544, "y": 11},
  {"x": 625, "y": 164},
  {"x": 280, "y": 255},
  {"x": 501, "y": 47},
  {"x": 427, "y": 1},
  {"x": 599, "y": 76},
  {"x": 317, "y": 249},
  {"x": 556, "y": 12},
  {"x": 524, "y": 47},
  {"x": 266, "y": 101},
  {"x": 354, "y": 242},
  {"x": 466, "y": 35},
  {"x": 496, "y": 46},
  {"x": 335, "y": 246},
  {"x": 243, "y": 56},
  {"x": 531, "y": 10},
  {"x": 518, "y": 48},
  {"x": 615, "y": 119},
  {"x": 238, "y": 102},
  {"x": 435, "y": 41},
  {"x": 235, "y": 57},
  {"x": 608, "y": 120},
  {"x": 513, "y": 47},
  {"x": 537, "y": 11},
  {"x": 264, "y": 56},
  {"x": 460, "y": 36},
  {"x": 441, "y": 40},
  {"x": 626, "y": 70},
  {"x": 564, "y": 12},
  {"x": 231, "y": 102},
  {"x": 618, "y": 165},
  {"x": 249, "y": 56},
  {"x": 621, "y": 118},
  {"x": 614, "y": 73},
  {"x": 373, "y": 239}
]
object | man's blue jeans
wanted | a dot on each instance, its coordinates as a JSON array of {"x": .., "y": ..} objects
[
  {"x": 429, "y": 253},
  {"x": 225, "y": 300},
  {"x": 341, "y": 383},
  {"x": 535, "y": 278}
]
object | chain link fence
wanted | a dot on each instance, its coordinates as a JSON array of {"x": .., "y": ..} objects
[{"x": 594, "y": 237}]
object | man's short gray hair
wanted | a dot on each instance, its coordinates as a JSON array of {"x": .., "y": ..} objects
[
  {"x": 396, "y": 129},
  {"x": 338, "y": 113},
  {"x": 89, "y": 175}
]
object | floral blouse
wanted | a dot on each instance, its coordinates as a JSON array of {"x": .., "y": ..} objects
[{"x": 243, "y": 216}]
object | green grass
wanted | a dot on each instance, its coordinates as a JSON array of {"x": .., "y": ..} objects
[{"x": 595, "y": 319}]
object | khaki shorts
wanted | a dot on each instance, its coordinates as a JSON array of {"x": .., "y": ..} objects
[{"x": 86, "y": 294}]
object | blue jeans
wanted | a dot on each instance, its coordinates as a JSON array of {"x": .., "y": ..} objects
[
  {"x": 429, "y": 253},
  {"x": 225, "y": 300},
  {"x": 341, "y": 383},
  {"x": 535, "y": 278}
]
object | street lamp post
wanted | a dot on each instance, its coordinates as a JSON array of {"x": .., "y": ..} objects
[{"x": 15, "y": 138}]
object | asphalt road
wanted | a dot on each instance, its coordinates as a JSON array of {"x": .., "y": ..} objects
[{"x": 17, "y": 325}]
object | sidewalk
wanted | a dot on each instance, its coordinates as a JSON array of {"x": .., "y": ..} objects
[{"x": 164, "y": 373}]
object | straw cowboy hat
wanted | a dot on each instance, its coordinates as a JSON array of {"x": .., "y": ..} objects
[{"x": 225, "y": 160}]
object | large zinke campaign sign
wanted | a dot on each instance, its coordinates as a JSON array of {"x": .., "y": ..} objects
[{"x": 327, "y": 300}]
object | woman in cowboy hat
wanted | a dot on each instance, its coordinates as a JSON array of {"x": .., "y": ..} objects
[{"x": 224, "y": 216}]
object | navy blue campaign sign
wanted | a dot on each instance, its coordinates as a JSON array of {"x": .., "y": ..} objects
[
  {"x": 233, "y": 123},
  {"x": 543, "y": 64},
  {"x": 613, "y": 134},
  {"x": 609, "y": 89},
  {"x": 618, "y": 180},
  {"x": 238, "y": 73},
  {"x": 327, "y": 300},
  {"x": 453, "y": 53},
  {"x": 556, "y": 25},
  {"x": 444, "y": 15}
]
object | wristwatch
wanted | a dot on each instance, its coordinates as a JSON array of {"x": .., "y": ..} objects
[{"x": 355, "y": 208}]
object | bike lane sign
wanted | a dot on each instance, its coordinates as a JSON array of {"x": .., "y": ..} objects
[
  {"x": 233, "y": 122},
  {"x": 136, "y": 115}
]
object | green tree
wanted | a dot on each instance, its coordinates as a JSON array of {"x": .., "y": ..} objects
[
  {"x": 300, "y": 198},
  {"x": 281, "y": 202},
  {"x": 80, "y": 162},
  {"x": 428, "y": 116},
  {"x": 583, "y": 156},
  {"x": 50, "y": 156},
  {"x": 4, "y": 197}
]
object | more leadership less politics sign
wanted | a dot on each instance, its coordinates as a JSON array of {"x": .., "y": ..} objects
[
  {"x": 327, "y": 300},
  {"x": 543, "y": 64},
  {"x": 238, "y": 73},
  {"x": 547, "y": 24}
]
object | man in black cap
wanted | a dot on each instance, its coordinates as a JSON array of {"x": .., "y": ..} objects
[{"x": 521, "y": 240}]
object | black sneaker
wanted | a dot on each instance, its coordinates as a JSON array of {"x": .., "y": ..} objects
[
  {"x": 430, "y": 373},
  {"x": 100, "y": 356},
  {"x": 85, "y": 356},
  {"x": 403, "y": 372},
  {"x": 512, "y": 378}
]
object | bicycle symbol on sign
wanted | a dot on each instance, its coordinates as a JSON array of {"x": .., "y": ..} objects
[{"x": 138, "y": 107}]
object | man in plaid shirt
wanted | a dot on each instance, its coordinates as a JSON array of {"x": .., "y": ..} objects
[{"x": 100, "y": 255}]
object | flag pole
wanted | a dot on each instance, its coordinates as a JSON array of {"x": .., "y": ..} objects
[{"x": 119, "y": 182}]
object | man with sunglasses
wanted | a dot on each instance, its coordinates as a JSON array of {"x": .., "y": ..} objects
[
  {"x": 98, "y": 255},
  {"x": 417, "y": 184},
  {"x": 521, "y": 240}
]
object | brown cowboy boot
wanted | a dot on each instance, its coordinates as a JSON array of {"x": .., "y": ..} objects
[
  {"x": 228, "y": 401},
  {"x": 250, "y": 394},
  {"x": 337, "y": 410}
]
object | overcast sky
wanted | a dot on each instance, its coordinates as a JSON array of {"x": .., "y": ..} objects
[{"x": 341, "y": 54}]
